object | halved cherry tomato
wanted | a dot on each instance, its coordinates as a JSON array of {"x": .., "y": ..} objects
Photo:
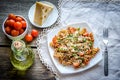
[
  {"x": 34, "y": 33},
  {"x": 76, "y": 64},
  {"x": 86, "y": 61},
  {"x": 71, "y": 29},
  {"x": 23, "y": 24},
  {"x": 81, "y": 54},
  {"x": 18, "y": 25},
  {"x": 18, "y": 18},
  {"x": 54, "y": 40},
  {"x": 28, "y": 37},
  {"x": 89, "y": 51},
  {"x": 7, "y": 30},
  {"x": 86, "y": 34},
  {"x": 11, "y": 16},
  {"x": 14, "y": 32}
]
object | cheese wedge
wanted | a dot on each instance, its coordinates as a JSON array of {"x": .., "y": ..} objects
[{"x": 42, "y": 11}]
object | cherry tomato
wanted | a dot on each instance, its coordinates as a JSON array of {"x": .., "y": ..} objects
[
  {"x": 11, "y": 16},
  {"x": 23, "y": 24},
  {"x": 21, "y": 31},
  {"x": 54, "y": 40},
  {"x": 17, "y": 25},
  {"x": 11, "y": 22},
  {"x": 7, "y": 23},
  {"x": 14, "y": 32},
  {"x": 34, "y": 33},
  {"x": 7, "y": 30},
  {"x": 86, "y": 34},
  {"x": 18, "y": 18},
  {"x": 28, "y": 37},
  {"x": 76, "y": 64},
  {"x": 71, "y": 29}
]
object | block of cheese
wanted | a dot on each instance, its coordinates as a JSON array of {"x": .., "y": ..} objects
[{"x": 42, "y": 11}]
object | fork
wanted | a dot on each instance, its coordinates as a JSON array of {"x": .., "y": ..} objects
[{"x": 105, "y": 40}]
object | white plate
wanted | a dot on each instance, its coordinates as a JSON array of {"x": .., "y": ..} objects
[
  {"x": 69, "y": 69},
  {"x": 49, "y": 21}
]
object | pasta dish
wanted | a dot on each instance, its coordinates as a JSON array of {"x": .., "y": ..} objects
[{"x": 74, "y": 46}]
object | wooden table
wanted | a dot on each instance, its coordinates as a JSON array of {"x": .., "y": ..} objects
[{"x": 7, "y": 72}]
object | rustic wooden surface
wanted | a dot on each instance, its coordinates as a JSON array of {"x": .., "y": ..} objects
[
  {"x": 19, "y": 7},
  {"x": 7, "y": 72},
  {"x": 36, "y": 72}
]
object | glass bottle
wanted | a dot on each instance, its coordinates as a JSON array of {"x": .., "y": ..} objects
[{"x": 22, "y": 57}]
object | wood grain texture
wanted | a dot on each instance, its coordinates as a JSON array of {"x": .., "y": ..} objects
[
  {"x": 36, "y": 72},
  {"x": 7, "y": 72},
  {"x": 18, "y": 7}
]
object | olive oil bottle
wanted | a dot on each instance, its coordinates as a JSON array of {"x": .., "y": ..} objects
[{"x": 21, "y": 57}]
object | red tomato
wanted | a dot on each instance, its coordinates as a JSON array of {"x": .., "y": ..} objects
[
  {"x": 17, "y": 25},
  {"x": 7, "y": 23},
  {"x": 7, "y": 30},
  {"x": 86, "y": 34},
  {"x": 11, "y": 16},
  {"x": 23, "y": 24},
  {"x": 21, "y": 31},
  {"x": 71, "y": 29},
  {"x": 18, "y": 18},
  {"x": 11, "y": 22},
  {"x": 34, "y": 33},
  {"x": 28, "y": 37},
  {"x": 76, "y": 64},
  {"x": 14, "y": 32},
  {"x": 54, "y": 40}
]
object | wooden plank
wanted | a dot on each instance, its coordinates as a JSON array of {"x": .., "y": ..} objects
[{"x": 36, "y": 72}]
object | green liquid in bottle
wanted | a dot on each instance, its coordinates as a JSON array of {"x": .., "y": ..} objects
[{"x": 22, "y": 57}]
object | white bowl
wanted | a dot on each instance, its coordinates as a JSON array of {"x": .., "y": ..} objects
[{"x": 21, "y": 36}]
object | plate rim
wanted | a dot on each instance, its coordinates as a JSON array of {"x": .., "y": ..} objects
[
  {"x": 57, "y": 12},
  {"x": 65, "y": 26}
]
